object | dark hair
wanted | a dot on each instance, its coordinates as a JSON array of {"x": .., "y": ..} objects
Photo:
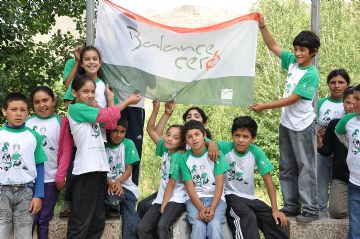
[
  {"x": 357, "y": 88},
  {"x": 81, "y": 70},
  {"x": 348, "y": 91},
  {"x": 123, "y": 122},
  {"x": 15, "y": 96},
  {"x": 338, "y": 72},
  {"x": 192, "y": 124},
  {"x": 180, "y": 127},
  {"x": 80, "y": 80},
  {"x": 245, "y": 122},
  {"x": 43, "y": 88},
  {"x": 307, "y": 39},
  {"x": 198, "y": 109}
]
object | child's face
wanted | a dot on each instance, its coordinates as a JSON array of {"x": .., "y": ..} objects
[
  {"x": 303, "y": 56},
  {"x": 357, "y": 102},
  {"x": 118, "y": 135},
  {"x": 172, "y": 138},
  {"x": 349, "y": 104},
  {"x": 86, "y": 94},
  {"x": 337, "y": 86},
  {"x": 194, "y": 115},
  {"x": 195, "y": 138},
  {"x": 242, "y": 139},
  {"x": 91, "y": 62},
  {"x": 16, "y": 113},
  {"x": 43, "y": 104}
]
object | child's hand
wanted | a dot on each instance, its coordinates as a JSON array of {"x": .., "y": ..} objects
[
  {"x": 261, "y": 22},
  {"x": 156, "y": 104},
  {"x": 77, "y": 51},
  {"x": 133, "y": 99},
  {"x": 35, "y": 206},
  {"x": 110, "y": 185},
  {"x": 60, "y": 185},
  {"x": 209, "y": 213},
  {"x": 170, "y": 107},
  {"x": 258, "y": 107},
  {"x": 213, "y": 151},
  {"x": 202, "y": 214},
  {"x": 279, "y": 217},
  {"x": 117, "y": 188},
  {"x": 109, "y": 93}
]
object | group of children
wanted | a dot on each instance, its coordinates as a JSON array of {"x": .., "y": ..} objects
[{"x": 212, "y": 181}]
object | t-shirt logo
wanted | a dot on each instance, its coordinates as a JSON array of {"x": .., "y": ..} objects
[
  {"x": 95, "y": 130},
  {"x": 355, "y": 144},
  {"x": 11, "y": 161},
  {"x": 200, "y": 177},
  {"x": 115, "y": 169},
  {"x": 235, "y": 173}
]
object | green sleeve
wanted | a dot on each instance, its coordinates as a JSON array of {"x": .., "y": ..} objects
[
  {"x": 341, "y": 126},
  {"x": 131, "y": 153},
  {"x": 174, "y": 170},
  {"x": 307, "y": 85},
  {"x": 287, "y": 58},
  {"x": 207, "y": 139},
  {"x": 161, "y": 148},
  {"x": 262, "y": 162},
  {"x": 116, "y": 100},
  {"x": 225, "y": 146},
  {"x": 185, "y": 171},
  {"x": 320, "y": 103},
  {"x": 68, "y": 95},
  {"x": 68, "y": 67},
  {"x": 83, "y": 113},
  {"x": 40, "y": 155},
  {"x": 221, "y": 166}
]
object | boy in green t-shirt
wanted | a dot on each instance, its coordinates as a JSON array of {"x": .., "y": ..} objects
[
  {"x": 204, "y": 181},
  {"x": 297, "y": 127},
  {"x": 245, "y": 214}
]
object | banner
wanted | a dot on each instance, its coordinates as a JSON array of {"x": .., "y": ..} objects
[{"x": 212, "y": 65}]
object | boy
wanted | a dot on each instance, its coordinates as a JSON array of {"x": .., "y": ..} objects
[
  {"x": 22, "y": 162},
  {"x": 204, "y": 181},
  {"x": 330, "y": 145},
  {"x": 122, "y": 192},
  {"x": 297, "y": 127},
  {"x": 348, "y": 131},
  {"x": 243, "y": 207}
]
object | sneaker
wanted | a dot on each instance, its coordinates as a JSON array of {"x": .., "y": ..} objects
[
  {"x": 65, "y": 209},
  {"x": 289, "y": 213},
  {"x": 307, "y": 217}
]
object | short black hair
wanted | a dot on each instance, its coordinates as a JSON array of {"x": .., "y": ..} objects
[
  {"x": 245, "y": 122},
  {"x": 348, "y": 91},
  {"x": 80, "y": 80},
  {"x": 357, "y": 88},
  {"x": 338, "y": 72},
  {"x": 307, "y": 39},
  {"x": 192, "y": 124},
  {"x": 15, "y": 96},
  {"x": 123, "y": 122},
  {"x": 43, "y": 88}
]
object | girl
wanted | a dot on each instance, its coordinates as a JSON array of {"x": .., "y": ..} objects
[
  {"x": 87, "y": 219},
  {"x": 169, "y": 202},
  {"x": 198, "y": 114},
  {"x": 58, "y": 146}
]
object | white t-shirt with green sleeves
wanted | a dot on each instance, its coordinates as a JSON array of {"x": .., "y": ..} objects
[
  {"x": 179, "y": 194},
  {"x": 119, "y": 156},
  {"x": 167, "y": 159},
  {"x": 202, "y": 172},
  {"x": 240, "y": 179},
  {"x": 49, "y": 129},
  {"x": 348, "y": 129},
  {"x": 329, "y": 109},
  {"x": 20, "y": 151},
  {"x": 304, "y": 82},
  {"x": 90, "y": 154}
]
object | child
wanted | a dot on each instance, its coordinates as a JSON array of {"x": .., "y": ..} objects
[
  {"x": 22, "y": 162},
  {"x": 122, "y": 155},
  {"x": 243, "y": 157},
  {"x": 196, "y": 113},
  {"x": 58, "y": 145},
  {"x": 330, "y": 145},
  {"x": 169, "y": 203},
  {"x": 297, "y": 126},
  {"x": 329, "y": 108},
  {"x": 90, "y": 165},
  {"x": 204, "y": 180},
  {"x": 348, "y": 132}
]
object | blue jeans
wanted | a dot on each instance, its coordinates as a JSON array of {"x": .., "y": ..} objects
[
  {"x": 354, "y": 209},
  {"x": 129, "y": 216},
  {"x": 201, "y": 229},
  {"x": 298, "y": 169},
  {"x": 324, "y": 169}
]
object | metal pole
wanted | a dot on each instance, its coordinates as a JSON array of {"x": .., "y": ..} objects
[
  {"x": 315, "y": 22},
  {"x": 90, "y": 16}
]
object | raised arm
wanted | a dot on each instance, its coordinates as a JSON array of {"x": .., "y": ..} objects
[
  {"x": 74, "y": 69},
  {"x": 169, "y": 109},
  {"x": 268, "y": 38},
  {"x": 292, "y": 99},
  {"x": 150, "y": 127}
]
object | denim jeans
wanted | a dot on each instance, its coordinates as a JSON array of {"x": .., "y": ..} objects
[
  {"x": 354, "y": 209},
  {"x": 324, "y": 169},
  {"x": 201, "y": 229},
  {"x": 14, "y": 205},
  {"x": 298, "y": 169}
]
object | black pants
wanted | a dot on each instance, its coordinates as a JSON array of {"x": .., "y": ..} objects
[
  {"x": 144, "y": 205},
  {"x": 135, "y": 117},
  {"x": 87, "y": 219},
  {"x": 155, "y": 224},
  {"x": 69, "y": 179},
  {"x": 246, "y": 217}
]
